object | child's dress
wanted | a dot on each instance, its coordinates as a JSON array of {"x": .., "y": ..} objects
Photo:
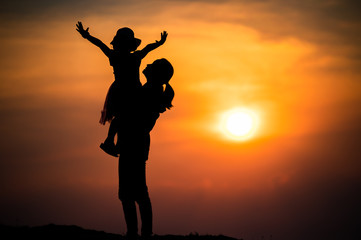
[{"x": 122, "y": 93}]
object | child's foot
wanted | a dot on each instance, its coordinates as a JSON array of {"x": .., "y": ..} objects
[{"x": 109, "y": 148}]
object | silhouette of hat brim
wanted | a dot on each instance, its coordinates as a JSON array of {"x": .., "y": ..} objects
[{"x": 132, "y": 43}]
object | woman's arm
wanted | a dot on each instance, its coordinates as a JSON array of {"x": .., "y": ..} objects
[
  {"x": 152, "y": 46},
  {"x": 85, "y": 34}
]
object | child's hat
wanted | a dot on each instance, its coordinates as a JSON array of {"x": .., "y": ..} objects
[{"x": 126, "y": 36}]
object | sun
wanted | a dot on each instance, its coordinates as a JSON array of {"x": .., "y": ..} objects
[{"x": 239, "y": 124}]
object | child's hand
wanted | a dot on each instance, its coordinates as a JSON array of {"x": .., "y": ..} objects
[
  {"x": 163, "y": 37},
  {"x": 80, "y": 29}
]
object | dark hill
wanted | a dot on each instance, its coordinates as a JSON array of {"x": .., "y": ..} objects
[{"x": 65, "y": 232}]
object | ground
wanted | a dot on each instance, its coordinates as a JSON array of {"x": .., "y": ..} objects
[{"x": 57, "y": 232}]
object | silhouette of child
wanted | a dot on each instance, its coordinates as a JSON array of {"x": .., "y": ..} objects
[
  {"x": 153, "y": 99},
  {"x": 125, "y": 61}
]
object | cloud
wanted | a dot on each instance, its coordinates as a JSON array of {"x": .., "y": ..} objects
[
  {"x": 327, "y": 21},
  {"x": 332, "y": 25}
]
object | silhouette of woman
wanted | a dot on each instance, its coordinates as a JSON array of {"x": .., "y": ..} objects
[
  {"x": 153, "y": 99},
  {"x": 125, "y": 61}
]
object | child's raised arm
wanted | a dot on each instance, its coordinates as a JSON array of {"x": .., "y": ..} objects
[
  {"x": 85, "y": 34},
  {"x": 152, "y": 46}
]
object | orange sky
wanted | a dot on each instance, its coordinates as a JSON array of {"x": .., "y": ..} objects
[{"x": 296, "y": 65}]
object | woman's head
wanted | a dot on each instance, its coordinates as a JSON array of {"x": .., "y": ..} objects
[
  {"x": 160, "y": 71},
  {"x": 124, "y": 39}
]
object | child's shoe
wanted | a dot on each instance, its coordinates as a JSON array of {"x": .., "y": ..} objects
[{"x": 109, "y": 147}]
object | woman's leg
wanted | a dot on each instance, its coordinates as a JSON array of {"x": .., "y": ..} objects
[
  {"x": 145, "y": 206},
  {"x": 145, "y": 209},
  {"x": 130, "y": 215}
]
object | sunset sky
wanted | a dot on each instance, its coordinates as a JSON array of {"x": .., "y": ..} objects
[{"x": 295, "y": 65}]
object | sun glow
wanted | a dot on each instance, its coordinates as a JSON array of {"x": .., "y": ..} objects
[{"x": 239, "y": 124}]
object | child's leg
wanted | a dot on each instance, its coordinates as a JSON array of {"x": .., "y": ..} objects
[
  {"x": 113, "y": 129},
  {"x": 108, "y": 146}
]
